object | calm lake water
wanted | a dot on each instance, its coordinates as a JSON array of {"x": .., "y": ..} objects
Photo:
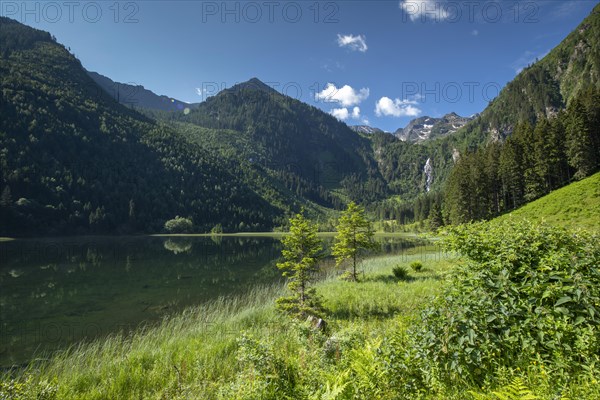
[{"x": 57, "y": 292}]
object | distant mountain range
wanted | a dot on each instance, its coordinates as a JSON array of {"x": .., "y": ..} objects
[
  {"x": 136, "y": 96},
  {"x": 365, "y": 129},
  {"x": 424, "y": 128}
]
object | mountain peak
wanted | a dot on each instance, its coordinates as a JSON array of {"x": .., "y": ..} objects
[
  {"x": 366, "y": 129},
  {"x": 252, "y": 84},
  {"x": 424, "y": 128}
]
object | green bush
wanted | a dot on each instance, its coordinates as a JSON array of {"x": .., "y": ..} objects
[
  {"x": 400, "y": 272},
  {"x": 417, "y": 266},
  {"x": 528, "y": 292},
  {"x": 263, "y": 374},
  {"x": 179, "y": 225}
]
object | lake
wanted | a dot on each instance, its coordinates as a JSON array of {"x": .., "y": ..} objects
[{"x": 57, "y": 292}]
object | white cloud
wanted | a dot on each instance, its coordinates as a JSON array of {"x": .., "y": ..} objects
[
  {"x": 345, "y": 96},
  {"x": 354, "y": 43},
  {"x": 396, "y": 108},
  {"x": 343, "y": 113},
  {"x": 425, "y": 9},
  {"x": 340, "y": 113}
]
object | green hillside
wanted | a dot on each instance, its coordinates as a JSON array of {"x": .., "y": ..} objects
[
  {"x": 74, "y": 161},
  {"x": 307, "y": 150},
  {"x": 574, "y": 206},
  {"x": 544, "y": 87}
]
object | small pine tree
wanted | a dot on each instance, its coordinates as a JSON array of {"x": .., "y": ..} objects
[
  {"x": 354, "y": 233},
  {"x": 301, "y": 251}
]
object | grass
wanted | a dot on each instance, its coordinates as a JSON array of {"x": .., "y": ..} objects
[
  {"x": 195, "y": 354},
  {"x": 574, "y": 206}
]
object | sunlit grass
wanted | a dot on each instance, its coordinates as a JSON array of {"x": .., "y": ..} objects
[
  {"x": 574, "y": 206},
  {"x": 193, "y": 354}
]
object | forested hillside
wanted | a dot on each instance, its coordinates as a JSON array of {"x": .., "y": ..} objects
[
  {"x": 532, "y": 162},
  {"x": 75, "y": 161},
  {"x": 137, "y": 96},
  {"x": 539, "y": 134},
  {"x": 543, "y": 88},
  {"x": 308, "y": 151}
]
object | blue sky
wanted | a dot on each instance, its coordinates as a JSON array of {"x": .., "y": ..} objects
[{"x": 376, "y": 62}]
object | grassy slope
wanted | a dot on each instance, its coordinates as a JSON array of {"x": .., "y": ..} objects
[{"x": 573, "y": 206}]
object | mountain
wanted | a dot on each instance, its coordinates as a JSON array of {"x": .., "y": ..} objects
[
  {"x": 253, "y": 84},
  {"x": 75, "y": 161},
  {"x": 543, "y": 88},
  {"x": 425, "y": 128},
  {"x": 365, "y": 129},
  {"x": 303, "y": 148},
  {"x": 136, "y": 96},
  {"x": 541, "y": 91}
]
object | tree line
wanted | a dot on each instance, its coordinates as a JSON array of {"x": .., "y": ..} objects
[{"x": 533, "y": 161}]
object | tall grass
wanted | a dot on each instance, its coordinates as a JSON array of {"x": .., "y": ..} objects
[{"x": 193, "y": 354}]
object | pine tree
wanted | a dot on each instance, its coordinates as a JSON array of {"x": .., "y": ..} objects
[
  {"x": 524, "y": 135},
  {"x": 355, "y": 233},
  {"x": 555, "y": 153},
  {"x": 591, "y": 102},
  {"x": 579, "y": 144},
  {"x": 492, "y": 167},
  {"x": 435, "y": 216},
  {"x": 511, "y": 172},
  {"x": 459, "y": 193},
  {"x": 301, "y": 251}
]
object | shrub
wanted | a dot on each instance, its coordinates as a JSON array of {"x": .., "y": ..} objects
[
  {"x": 217, "y": 229},
  {"x": 263, "y": 375},
  {"x": 179, "y": 225},
  {"x": 417, "y": 266},
  {"x": 400, "y": 272},
  {"x": 527, "y": 292}
]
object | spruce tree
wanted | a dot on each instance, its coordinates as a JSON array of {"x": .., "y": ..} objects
[
  {"x": 301, "y": 252},
  {"x": 579, "y": 143},
  {"x": 355, "y": 233}
]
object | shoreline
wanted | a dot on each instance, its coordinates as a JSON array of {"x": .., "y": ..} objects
[{"x": 234, "y": 234}]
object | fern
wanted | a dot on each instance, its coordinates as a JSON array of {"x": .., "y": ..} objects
[{"x": 516, "y": 390}]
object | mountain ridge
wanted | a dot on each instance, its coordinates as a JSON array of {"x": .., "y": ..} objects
[
  {"x": 137, "y": 96},
  {"x": 426, "y": 128}
]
